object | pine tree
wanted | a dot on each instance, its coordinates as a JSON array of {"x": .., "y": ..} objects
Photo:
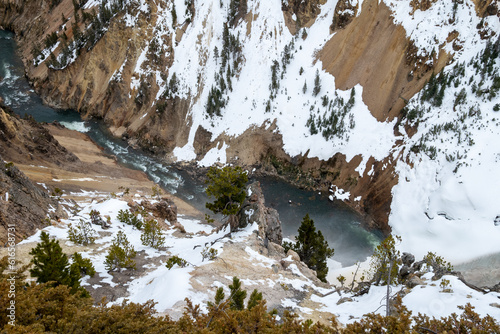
[
  {"x": 317, "y": 84},
  {"x": 82, "y": 265},
  {"x": 255, "y": 298},
  {"x": 151, "y": 235},
  {"x": 237, "y": 295},
  {"x": 383, "y": 265},
  {"x": 304, "y": 88},
  {"x": 50, "y": 264},
  {"x": 312, "y": 248},
  {"x": 82, "y": 234},
  {"x": 227, "y": 185},
  {"x": 120, "y": 254}
]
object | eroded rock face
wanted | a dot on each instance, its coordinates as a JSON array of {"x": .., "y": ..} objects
[
  {"x": 305, "y": 11},
  {"x": 373, "y": 51},
  {"x": 254, "y": 210},
  {"x": 23, "y": 205},
  {"x": 345, "y": 11}
]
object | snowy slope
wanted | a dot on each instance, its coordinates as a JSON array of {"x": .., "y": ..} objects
[
  {"x": 447, "y": 197},
  {"x": 169, "y": 288}
]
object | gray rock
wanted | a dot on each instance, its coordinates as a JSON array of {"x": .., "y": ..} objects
[
  {"x": 417, "y": 266},
  {"x": 407, "y": 259},
  {"x": 405, "y": 271},
  {"x": 23, "y": 205},
  {"x": 253, "y": 210},
  {"x": 413, "y": 281}
]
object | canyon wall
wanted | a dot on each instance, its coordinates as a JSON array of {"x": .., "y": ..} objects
[{"x": 126, "y": 80}]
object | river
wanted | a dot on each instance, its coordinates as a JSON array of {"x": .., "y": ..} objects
[{"x": 339, "y": 224}]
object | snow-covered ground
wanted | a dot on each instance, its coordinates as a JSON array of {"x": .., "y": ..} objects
[{"x": 277, "y": 278}]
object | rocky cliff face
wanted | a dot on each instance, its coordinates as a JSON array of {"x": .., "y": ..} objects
[
  {"x": 253, "y": 210},
  {"x": 23, "y": 204},
  {"x": 235, "y": 81}
]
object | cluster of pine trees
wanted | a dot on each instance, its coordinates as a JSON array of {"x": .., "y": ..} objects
[{"x": 336, "y": 118}]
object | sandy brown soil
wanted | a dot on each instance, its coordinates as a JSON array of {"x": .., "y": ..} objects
[{"x": 96, "y": 171}]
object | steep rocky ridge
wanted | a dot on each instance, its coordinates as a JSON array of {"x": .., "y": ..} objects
[{"x": 23, "y": 204}]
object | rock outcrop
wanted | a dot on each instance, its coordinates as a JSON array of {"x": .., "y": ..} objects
[
  {"x": 345, "y": 11},
  {"x": 164, "y": 209},
  {"x": 253, "y": 210},
  {"x": 24, "y": 206}
]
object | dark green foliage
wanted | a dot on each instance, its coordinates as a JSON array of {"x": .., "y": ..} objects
[
  {"x": 237, "y": 296},
  {"x": 433, "y": 91},
  {"x": 50, "y": 264},
  {"x": 189, "y": 10},
  {"x": 174, "y": 15},
  {"x": 304, "y": 88},
  {"x": 173, "y": 84},
  {"x": 142, "y": 93},
  {"x": 219, "y": 296},
  {"x": 461, "y": 98},
  {"x": 120, "y": 254},
  {"x": 317, "y": 84},
  {"x": 231, "y": 51},
  {"x": 151, "y": 235},
  {"x": 215, "y": 102},
  {"x": 36, "y": 52},
  {"x": 82, "y": 265},
  {"x": 233, "y": 11},
  {"x": 334, "y": 122},
  {"x": 312, "y": 248},
  {"x": 287, "y": 56},
  {"x": 275, "y": 85},
  {"x": 227, "y": 186},
  {"x": 209, "y": 253},
  {"x": 51, "y": 39},
  {"x": 129, "y": 218},
  {"x": 254, "y": 299},
  {"x": 175, "y": 260},
  {"x": 54, "y": 3}
]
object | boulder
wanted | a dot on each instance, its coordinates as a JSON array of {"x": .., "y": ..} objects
[
  {"x": 413, "y": 281},
  {"x": 405, "y": 271},
  {"x": 408, "y": 259},
  {"x": 164, "y": 209}
]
